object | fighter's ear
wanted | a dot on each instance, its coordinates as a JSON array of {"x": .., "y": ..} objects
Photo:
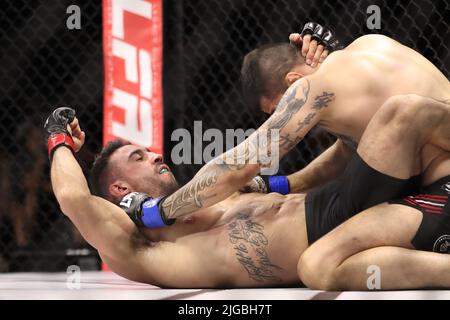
[
  {"x": 119, "y": 189},
  {"x": 292, "y": 76}
]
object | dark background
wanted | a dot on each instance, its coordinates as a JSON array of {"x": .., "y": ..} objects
[{"x": 44, "y": 65}]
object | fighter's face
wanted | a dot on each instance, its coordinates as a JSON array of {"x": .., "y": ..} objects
[{"x": 143, "y": 171}]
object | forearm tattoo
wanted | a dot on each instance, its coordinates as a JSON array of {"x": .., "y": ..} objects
[
  {"x": 249, "y": 244},
  {"x": 238, "y": 157},
  {"x": 287, "y": 142},
  {"x": 188, "y": 197},
  {"x": 292, "y": 101},
  {"x": 257, "y": 149}
]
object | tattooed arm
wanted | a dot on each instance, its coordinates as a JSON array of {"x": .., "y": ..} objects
[{"x": 299, "y": 110}]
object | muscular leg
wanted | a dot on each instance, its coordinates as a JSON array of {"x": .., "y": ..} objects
[
  {"x": 323, "y": 265},
  {"x": 399, "y": 130},
  {"x": 399, "y": 268},
  {"x": 340, "y": 260},
  {"x": 391, "y": 144}
]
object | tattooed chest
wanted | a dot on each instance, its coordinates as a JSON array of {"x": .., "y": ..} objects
[{"x": 250, "y": 246}]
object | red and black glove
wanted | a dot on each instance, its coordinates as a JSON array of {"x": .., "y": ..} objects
[{"x": 56, "y": 130}]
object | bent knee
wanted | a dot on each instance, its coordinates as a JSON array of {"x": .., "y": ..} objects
[{"x": 316, "y": 273}]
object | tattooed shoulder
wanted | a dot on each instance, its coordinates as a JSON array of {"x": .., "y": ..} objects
[{"x": 293, "y": 100}]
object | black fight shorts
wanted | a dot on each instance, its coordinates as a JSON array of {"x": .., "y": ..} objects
[
  {"x": 434, "y": 231},
  {"x": 358, "y": 188}
]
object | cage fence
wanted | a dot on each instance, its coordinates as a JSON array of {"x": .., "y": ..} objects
[{"x": 46, "y": 65}]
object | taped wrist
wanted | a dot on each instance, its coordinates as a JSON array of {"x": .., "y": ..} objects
[
  {"x": 58, "y": 140},
  {"x": 152, "y": 214},
  {"x": 279, "y": 184}
]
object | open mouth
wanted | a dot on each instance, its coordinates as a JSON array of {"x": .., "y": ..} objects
[{"x": 164, "y": 169}]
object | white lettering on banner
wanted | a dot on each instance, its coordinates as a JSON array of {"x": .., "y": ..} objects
[
  {"x": 138, "y": 7},
  {"x": 145, "y": 63},
  {"x": 136, "y": 132},
  {"x": 132, "y": 52},
  {"x": 138, "y": 126},
  {"x": 127, "y": 52}
]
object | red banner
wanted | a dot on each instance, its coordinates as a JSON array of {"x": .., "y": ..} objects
[{"x": 132, "y": 48}]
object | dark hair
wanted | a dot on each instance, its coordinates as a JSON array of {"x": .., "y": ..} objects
[
  {"x": 264, "y": 69},
  {"x": 97, "y": 179}
]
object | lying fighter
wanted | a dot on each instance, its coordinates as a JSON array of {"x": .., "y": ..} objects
[{"x": 247, "y": 240}]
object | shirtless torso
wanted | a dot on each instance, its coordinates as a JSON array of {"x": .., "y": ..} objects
[
  {"x": 247, "y": 240},
  {"x": 253, "y": 239},
  {"x": 368, "y": 72}
]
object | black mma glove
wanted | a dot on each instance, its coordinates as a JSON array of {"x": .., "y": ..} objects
[
  {"x": 322, "y": 35},
  {"x": 57, "y": 134}
]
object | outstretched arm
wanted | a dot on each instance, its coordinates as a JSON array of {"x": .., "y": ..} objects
[
  {"x": 104, "y": 225},
  {"x": 299, "y": 110},
  {"x": 109, "y": 229}
]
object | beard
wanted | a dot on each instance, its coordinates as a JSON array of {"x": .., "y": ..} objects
[
  {"x": 156, "y": 186},
  {"x": 167, "y": 188}
]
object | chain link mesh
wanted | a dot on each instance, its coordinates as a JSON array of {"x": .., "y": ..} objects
[
  {"x": 45, "y": 65},
  {"x": 210, "y": 39}
]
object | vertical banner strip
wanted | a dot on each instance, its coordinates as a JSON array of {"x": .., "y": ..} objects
[
  {"x": 132, "y": 53},
  {"x": 132, "y": 49}
]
